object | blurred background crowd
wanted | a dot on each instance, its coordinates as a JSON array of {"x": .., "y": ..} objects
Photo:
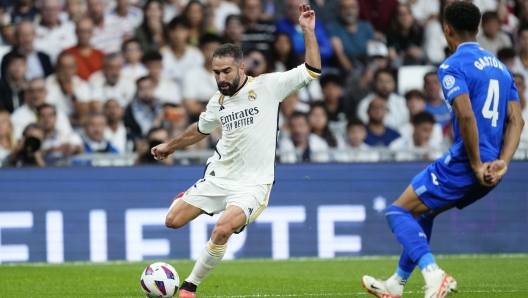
[{"x": 112, "y": 78}]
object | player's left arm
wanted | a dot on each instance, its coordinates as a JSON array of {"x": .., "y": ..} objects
[
  {"x": 512, "y": 131},
  {"x": 307, "y": 23}
]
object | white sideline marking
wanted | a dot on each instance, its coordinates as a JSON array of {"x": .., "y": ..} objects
[
  {"x": 345, "y": 294},
  {"x": 264, "y": 260}
]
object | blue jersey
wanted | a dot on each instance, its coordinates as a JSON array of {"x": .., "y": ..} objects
[{"x": 490, "y": 85}]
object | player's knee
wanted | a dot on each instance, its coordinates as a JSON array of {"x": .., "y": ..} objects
[
  {"x": 221, "y": 233},
  {"x": 172, "y": 222}
]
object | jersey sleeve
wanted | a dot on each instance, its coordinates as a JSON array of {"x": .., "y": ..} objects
[
  {"x": 453, "y": 81},
  {"x": 514, "y": 93},
  {"x": 208, "y": 121},
  {"x": 282, "y": 84}
]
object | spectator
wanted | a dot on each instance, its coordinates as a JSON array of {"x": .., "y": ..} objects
[
  {"x": 116, "y": 132},
  {"x": 434, "y": 41},
  {"x": 289, "y": 25},
  {"x": 194, "y": 14},
  {"x": 52, "y": 35},
  {"x": 507, "y": 56},
  {"x": 175, "y": 120},
  {"x": 282, "y": 54},
  {"x": 127, "y": 12},
  {"x": 521, "y": 87},
  {"x": 133, "y": 68},
  {"x": 34, "y": 97},
  {"x": 109, "y": 31},
  {"x": 38, "y": 63},
  {"x": 93, "y": 135},
  {"x": 357, "y": 150},
  {"x": 27, "y": 151},
  {"x": 89, "y": 59},
  {"x": 331, "y": 85},
  {"x": 520, "y": 65},
  {"x": 359, "y": 84},
  {"x": 491, "y": 37},
  {"x": 384, "y": 87},
  {"x": 350, "y": 35},
  {"x": 75, "y": 11},
  {"x": 221, "y": 9},
  {"x": 165, "y": 90},
  {"x": 144, "y": 110},
  {"x": 12, "y": 84},
  {"x": 7, "y": 140},
  {"x": 258, "y": 33},
  {"x": 290, "y": 105},
  {"x": 318, "y": 120},
  {"x": 57, "y": 144},
  {"x": 379, "y": 13},
  {"x": 377, "y": 133},
  {"x": 435, "y": 103},
  {"x": 24, "y": 10},
  {"x": 68, "y": 92},
  {"x": 423, "y": 123},
  {"x": 325, "y": 10},
  {"x": 416, "y": 104},
  {"x": 424, "y": 10},
  {"x": 196, "y": 96},
  {"x": 404, "y": 38},
  {"x": 155, "y": 136},
  {"x": 110, "y": 84},
  {"x": 256, "y": 63},
  {"x": 179, "y": 56},
  {"x": 233, "y": 31},
  {"x": 311, "y": 147},
  {"x": 152, "y": 34}
]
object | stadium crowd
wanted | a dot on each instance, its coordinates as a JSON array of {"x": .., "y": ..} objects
[{"x": 121, "y": 76}]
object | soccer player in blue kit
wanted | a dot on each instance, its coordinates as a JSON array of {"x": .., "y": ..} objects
[{"x": 487, "y": 123}]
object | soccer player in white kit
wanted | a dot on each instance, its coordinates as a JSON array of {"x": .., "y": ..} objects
[{"x": 239, "y": 176}]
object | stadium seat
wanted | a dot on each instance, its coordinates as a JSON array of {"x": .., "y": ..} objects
[{"x": 411, "y": 77}]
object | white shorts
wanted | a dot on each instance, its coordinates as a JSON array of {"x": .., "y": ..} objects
[{"x": 214, "y": 198}]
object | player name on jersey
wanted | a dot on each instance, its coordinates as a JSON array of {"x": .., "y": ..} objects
[
  {"x": 239, "y": 119},
  {"x": 488, "y": 61}
]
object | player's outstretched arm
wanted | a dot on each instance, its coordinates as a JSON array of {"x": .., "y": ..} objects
[
  {"x": 469, "y": 133},
  {"x": 307, "y": 23},
  {"x": 190, "y": 136}
]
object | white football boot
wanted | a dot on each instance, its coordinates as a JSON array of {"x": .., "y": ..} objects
[
  {"x": 439, "y": 284},
  {"x": 390, "y": 288}
]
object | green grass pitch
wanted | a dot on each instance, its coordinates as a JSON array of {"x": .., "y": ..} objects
[{"x": 477, "y": 276}]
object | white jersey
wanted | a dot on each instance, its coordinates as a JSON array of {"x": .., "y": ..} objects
[{"x": 246, "y": 153}]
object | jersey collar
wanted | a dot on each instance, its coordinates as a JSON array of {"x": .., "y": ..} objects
[
  {"x": 469, "y": 43},
  {"x": 243, "y": 85}
]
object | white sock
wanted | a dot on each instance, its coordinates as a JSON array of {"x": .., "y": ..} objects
[
  {"x": 395, "y": 284},
  {"x": 432, "y": 273},
  {"x": 210, "y": 256}
]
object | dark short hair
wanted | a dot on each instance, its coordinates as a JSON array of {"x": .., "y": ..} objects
[
  {"x": 151, "y": 56},
  {"x": 506, "y": 53},
  {"x": 463, "y": 16},
  {"x": 229, "y": 50},
  {"x": 490, "y": 16},
  {"x": 414, "y": 93},
  {"x": 382, "y": 71},
  {"x": 94, "y": 114},
  {"x": 297, "y": 114},
  {"x": 430, "y": 73},
  {"x": 423, "y": 117},
  {"x": 178, "y": 21},
  {"x": 14, "y": 56},
  {"x": 45, "y": 106},
  {"x": 233, "y": 17},
  {"x": 32, "y": 126},
  {"x": 154, "y": 129},
  {"x": 144, "y": 78},
  {"x": 522, "y": 29},
  {"x": 209, "y": 38},
  {"x": 328, "y": 78},
  {"x": 129, "y": 41},
  {"x": 355, "y": 122}
]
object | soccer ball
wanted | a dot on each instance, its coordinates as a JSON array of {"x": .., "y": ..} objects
[{"x": 160, "y": 280}]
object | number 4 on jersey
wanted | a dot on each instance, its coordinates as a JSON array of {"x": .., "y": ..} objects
[{"x": 493, "y": 97}]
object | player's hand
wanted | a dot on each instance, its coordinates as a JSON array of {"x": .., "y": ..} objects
[
  {"x": 481, "y": 173},
  {"x": 306, "y": 17},
  {"x": 496, "y": 169},
  {"x": 161, "y": 151}
]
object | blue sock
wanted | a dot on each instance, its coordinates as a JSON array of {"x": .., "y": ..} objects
[
  {"x": 426, "y": 260},
  {"x": 406, "y": 264},
  {"x": 408, "y": 232}
]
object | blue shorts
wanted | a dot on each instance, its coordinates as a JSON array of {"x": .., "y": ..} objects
[{"x": 445, "y": 183}]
